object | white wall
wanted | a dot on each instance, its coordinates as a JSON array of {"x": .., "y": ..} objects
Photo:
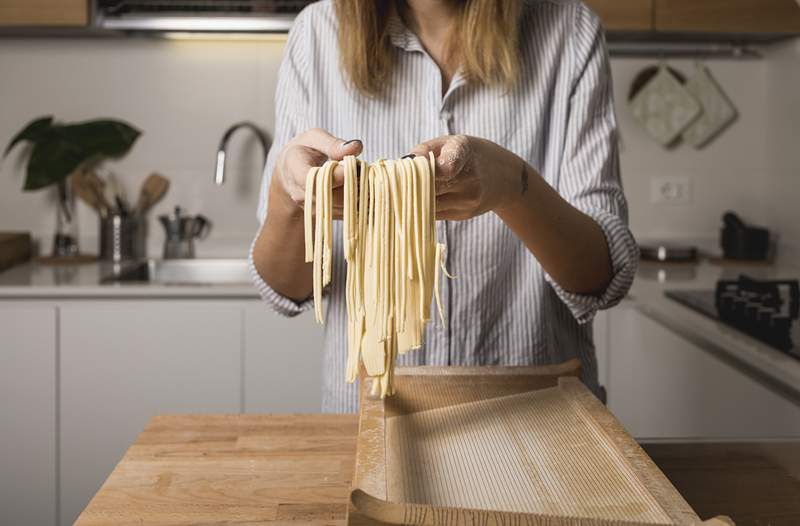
[
  {"x": 783, "y": 145},
  {"x": 183, "y": 94},
  {"x": 729, "y": 173}
]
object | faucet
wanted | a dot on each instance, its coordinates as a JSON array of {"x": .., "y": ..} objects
[{"x": 219, "y": 173}]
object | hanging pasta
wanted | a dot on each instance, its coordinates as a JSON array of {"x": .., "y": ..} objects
[{"x": 393, "y": 259}]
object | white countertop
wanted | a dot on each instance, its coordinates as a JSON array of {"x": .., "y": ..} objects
[
  {"x": 779, "y": 370},
  {"x": 38, "y": 281}
]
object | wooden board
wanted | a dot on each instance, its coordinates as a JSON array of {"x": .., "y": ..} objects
[
  {"x": 495, "y": 445},
  {"x": 44, "y": 12},
  {"x": 15, "y": 248},
  {"x": 624, "y": 15},
  {"x": 728, "y": 16}
]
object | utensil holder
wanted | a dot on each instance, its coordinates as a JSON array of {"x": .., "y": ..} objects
[{"x": 122, "y": 238}]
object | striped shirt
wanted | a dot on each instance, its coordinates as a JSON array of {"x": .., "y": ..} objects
[{"x": 502, "y": 308}]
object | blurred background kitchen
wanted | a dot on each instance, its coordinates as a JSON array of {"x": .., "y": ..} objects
[{"x": 708, "y": 101}]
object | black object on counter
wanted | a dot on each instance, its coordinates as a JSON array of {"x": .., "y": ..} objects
[
  {"x": 764, "y": 309},
  {"x": 741, "y": 241}
]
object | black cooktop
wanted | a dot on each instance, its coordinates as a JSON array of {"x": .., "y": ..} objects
[{"x": 764, "y": 309}]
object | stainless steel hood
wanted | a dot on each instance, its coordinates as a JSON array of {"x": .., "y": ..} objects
[{"x": 216, "y": 16}]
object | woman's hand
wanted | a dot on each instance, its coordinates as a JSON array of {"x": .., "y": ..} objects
[
  {"x": 306, "y": 150},
  {"x": 474, "y": 176}
]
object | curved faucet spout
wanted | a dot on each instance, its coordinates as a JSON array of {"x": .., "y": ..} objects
[{"x": 219, "y": 172}]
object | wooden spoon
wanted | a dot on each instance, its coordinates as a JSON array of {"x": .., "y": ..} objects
[
  {"x": 90, "y": 189},
  {"x": 153, "y": 189}
]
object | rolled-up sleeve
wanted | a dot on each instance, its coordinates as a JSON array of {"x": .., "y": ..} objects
[
  {"x": 589, "y": 176},
  {"x": 291, "y": 102}
]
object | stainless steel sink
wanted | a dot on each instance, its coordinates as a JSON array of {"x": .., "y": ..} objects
[{"x": 182, "y": 272}]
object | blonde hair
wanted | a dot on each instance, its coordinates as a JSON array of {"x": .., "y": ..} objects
[{"x": 484, "y": 43}]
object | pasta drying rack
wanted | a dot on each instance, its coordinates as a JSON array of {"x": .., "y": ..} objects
[{"x": 510, "y": 446}]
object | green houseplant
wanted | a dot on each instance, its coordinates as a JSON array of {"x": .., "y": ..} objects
[{"x": 60, "y": 150}]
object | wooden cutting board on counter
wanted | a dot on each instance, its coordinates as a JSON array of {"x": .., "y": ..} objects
[
  {"x": 504, "y": 446},
  {"x": 15, "y": 248}
]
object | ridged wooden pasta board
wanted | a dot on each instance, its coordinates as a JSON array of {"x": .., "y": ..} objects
[{"x": 505, "y": 446}]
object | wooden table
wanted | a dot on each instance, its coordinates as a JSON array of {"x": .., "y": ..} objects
[{"x": 296, "y": 469}]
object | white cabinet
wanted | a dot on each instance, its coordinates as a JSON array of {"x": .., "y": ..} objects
[
  {"x": 283, "y": 362},
  {"x": 27, "y": 414},
  {"x": 601, "y": 335},
  {"x": 123, "y": 362},
  {"x": 661, "y": 385}
]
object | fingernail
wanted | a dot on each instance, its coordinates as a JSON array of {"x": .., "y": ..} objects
[
  {"x": 409, "y": 156},
  {"x": 351, "y": 140}
]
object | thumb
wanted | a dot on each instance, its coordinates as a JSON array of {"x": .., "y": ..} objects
[
  {"x": 433, "y": 145},
  {"x": 332, "y": 147}
]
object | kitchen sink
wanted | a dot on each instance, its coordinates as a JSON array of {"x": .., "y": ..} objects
[{"x": 181, "y": 272}]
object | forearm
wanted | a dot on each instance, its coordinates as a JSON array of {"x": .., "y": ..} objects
[
  {"x": 279, "y": 250},
  {"x": 570, "y": 245}
]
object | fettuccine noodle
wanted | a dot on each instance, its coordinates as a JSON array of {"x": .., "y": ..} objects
[{"x": 393, "y": 259}]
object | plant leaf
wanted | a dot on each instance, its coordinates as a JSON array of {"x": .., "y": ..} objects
[
  {"x": 52, "y": 160},
  {"x": 63, "y": 148},
  {"x": 107, "y": 138},
  {"x": 35, "y": 129}
]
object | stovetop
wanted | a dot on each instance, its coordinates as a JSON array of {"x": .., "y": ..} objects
[{"x": 764, "y": 309}]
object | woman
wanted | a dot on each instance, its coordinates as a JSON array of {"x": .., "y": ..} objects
[{"x": 514, "y": 99}]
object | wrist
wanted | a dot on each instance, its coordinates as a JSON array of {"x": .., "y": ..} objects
[{"x": 281, "y": 203}]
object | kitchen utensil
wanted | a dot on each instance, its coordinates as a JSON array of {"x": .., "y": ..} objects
[
  {"x": 96, "y": 186},
  {"x": 181, "y": 231},
  {"x": 152, "y": 190},
  {"x": 741, "y": 241},
  {"x": 122, "y": 238},
  {"x": 117, "y": 195},
  {"x": 661, "y": 104},
  {"x": 15, "y": 248},
  {"x": 89, "y": 194},
  {"x": 718, "y": 111},
  {"x": 502, "y": 445}
]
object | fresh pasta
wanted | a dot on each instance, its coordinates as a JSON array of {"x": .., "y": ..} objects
[{"x": 393, "y": 259}]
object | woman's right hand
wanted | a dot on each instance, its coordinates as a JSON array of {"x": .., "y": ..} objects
[{"x": 306, "y": 150}]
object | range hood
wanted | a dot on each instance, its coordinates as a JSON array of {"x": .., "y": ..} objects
[{"x": 225, "y": 16}]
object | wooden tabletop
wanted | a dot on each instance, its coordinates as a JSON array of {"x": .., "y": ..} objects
[
  {"x": 296, "y": 469},
  {"x": 222, "y": 469}
]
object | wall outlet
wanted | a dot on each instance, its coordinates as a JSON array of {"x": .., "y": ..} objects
[{"x": 672, "y": 190}]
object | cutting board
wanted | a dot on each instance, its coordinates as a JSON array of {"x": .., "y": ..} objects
[
  {"x": 15, "y": 248},
  {"x": 518, "y": 446}
]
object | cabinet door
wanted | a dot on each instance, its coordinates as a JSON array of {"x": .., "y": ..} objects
[
  {"x": 600, "y": 329},
  {"x": 624, "y": 15},
  {"x": 660, "y": 385},
  {"x": 124, "y": 362},
  {"x": 728, "y": 16},
  {"x": 44, "y": 13},
  {"x": 283, "y": 362},
  {"x": 27, "y": 414}
]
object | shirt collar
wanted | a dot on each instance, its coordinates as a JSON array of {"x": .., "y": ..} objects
[{"x": 400, "y": 36}]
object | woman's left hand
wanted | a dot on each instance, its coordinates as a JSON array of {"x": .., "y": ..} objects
[{"x": 474, "y": 176}]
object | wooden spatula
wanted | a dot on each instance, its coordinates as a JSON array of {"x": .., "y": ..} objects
[
  {"x": 90, "y": 189},
  {"x": 153, "y": 189}
]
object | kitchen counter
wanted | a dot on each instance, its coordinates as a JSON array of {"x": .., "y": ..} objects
[
  {"x": 772, "y": 368},
  {"x": 37, "y": 281},
  {"x": 296, "y": 469}
]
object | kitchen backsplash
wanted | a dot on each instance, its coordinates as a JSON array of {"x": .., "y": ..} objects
[{"x": 184, "y": 94}]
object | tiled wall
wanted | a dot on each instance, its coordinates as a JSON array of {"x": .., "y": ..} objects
[{"x": 183, "y": 94}]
